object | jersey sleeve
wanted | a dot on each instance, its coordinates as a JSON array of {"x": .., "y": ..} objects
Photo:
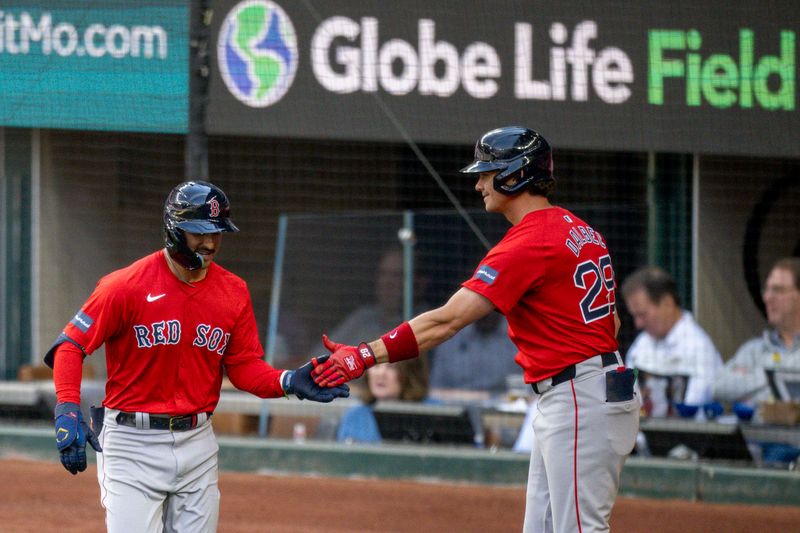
[
  {"x": 100, "y": 318},
  {"x": 505, "y": 274},
  {"x": 67, "y": 373},
  {"x": 243, "y": 358}
]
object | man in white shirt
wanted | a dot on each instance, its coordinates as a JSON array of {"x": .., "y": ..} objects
[{"x": 676, "y": 359}]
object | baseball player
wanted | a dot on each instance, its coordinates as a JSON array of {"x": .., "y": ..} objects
[
  {"x": 171, "y": 322},
  {"x": 551, "y": 276}
]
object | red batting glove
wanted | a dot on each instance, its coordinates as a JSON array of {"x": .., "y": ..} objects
[{"x": 345, "y": 363}]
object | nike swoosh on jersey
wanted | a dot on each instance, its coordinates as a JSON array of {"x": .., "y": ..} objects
[
  {"x": 156, "y": 297},
  {"x": 393, "y": 334}
]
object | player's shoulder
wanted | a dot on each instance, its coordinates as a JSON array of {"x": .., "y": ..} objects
[
  {"x": 569, "y": 218},
  {"x": 224, "y": 276},
  {"x": 532, "y": 236},
  {"x": 546, "y": 220},
  {"x": 129, "y": 273}
]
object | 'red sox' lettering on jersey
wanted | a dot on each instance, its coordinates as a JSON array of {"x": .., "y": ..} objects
[
  {"x": 159, "y": 333},
  {"x": 212, "y": 338}
]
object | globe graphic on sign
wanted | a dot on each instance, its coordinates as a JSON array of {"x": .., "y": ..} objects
[{"x": 257, "y": 52}]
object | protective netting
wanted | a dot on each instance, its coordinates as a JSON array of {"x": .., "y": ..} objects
[{"x": 325, "y": 173}]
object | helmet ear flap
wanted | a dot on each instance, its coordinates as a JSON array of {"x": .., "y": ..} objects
[
  {"x": 177, "y": 247},
  {"x": 516, "y": 173}
]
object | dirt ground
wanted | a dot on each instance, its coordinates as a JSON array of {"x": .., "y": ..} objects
[{"x": 42, "y": 496}]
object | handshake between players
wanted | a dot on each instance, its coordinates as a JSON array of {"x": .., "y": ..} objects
[{"x": 346, "y": 363}]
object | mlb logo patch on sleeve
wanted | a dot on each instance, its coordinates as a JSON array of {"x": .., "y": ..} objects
[
  {"x": 82, "y": 321},
  {"x": 486, "y": 273}
]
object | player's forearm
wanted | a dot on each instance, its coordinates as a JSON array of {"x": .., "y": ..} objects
[
  {"x": 406, "y": 341},
  {"x": 430, "y": 329},
  {"x": 256, "y": 377},
  {"x": 434, "y": 327},
  {"x": 67, "y": 373}
]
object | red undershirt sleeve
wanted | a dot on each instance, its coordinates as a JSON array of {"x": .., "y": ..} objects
[
  {"x": 256, "y": 377},
  {"x": 67, "y": 373}
]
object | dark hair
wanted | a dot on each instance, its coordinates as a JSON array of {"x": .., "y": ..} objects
[
  {"x": 413, "y": 376},
  {"x": 543, "y": 187},
  {"x": 656, "y": 283},
  {"x": 792, "y": 264}
]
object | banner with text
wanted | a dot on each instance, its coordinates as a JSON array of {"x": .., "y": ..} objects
[
  {"x": 102, "y": 65},
  {"x": 708, "y": 77}
]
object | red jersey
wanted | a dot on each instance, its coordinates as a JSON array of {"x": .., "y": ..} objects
[
  {"x": 551, "y": 276},
  {"x": 167, "y": 341}
]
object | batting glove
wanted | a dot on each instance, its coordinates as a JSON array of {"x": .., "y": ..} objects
[
  {"x": 300, "y": 383},
  {"x": 72, "y": 433},
  {"x": 345, "y": 363}
]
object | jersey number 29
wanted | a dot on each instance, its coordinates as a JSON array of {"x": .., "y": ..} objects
[{"x": 601, "y": 276}]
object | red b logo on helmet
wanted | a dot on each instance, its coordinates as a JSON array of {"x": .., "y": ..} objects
[{"x": 214, "y": 208}]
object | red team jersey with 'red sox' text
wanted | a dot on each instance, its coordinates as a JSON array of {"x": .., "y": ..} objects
[
  {"x": 551, "y": 276},
  {"x": 167, "y": 341}
]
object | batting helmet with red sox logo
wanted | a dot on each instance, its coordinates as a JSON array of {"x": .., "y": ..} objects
[{"x": 197, "y": 207}]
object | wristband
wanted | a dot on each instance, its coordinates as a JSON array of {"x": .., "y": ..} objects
[
  {"x": 285, "y": 381},
  {"x": 401, "y": 343},
  {"x": 367, "y": 355}
]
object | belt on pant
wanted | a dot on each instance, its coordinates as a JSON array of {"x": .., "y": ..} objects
[
  {"x": 171, "y": 423},
  {"x": 569, "y": 372}
]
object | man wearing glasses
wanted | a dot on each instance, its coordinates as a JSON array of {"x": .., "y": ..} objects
[{"x": 768, "y": 367}]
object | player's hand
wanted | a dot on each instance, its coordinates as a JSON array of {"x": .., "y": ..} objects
[
  {"x": 72, "y": 433},
  {"x": 300, "y": 383},
  {"x": 345, "y": 363}
]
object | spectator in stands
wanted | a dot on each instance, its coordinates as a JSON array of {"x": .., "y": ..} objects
[
  {"x": 478, "y": 358},
  {"x": 372, "y": 320},
  {"x": 676, "y": 359},
  {"x": 406, "y": 381},
  {"x": 768, "y": 367}
]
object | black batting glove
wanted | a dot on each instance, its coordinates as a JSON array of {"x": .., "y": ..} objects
[
  {"x": 300, "y": 383},
  {"x": 72, "y": 433}
]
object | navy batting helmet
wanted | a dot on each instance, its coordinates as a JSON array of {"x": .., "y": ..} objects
[
  {"x": 196, "y": 207},
  {"x": 522, "y": 156}
]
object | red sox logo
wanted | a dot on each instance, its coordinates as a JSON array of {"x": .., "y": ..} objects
[{"x": 213, "y": 205}]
